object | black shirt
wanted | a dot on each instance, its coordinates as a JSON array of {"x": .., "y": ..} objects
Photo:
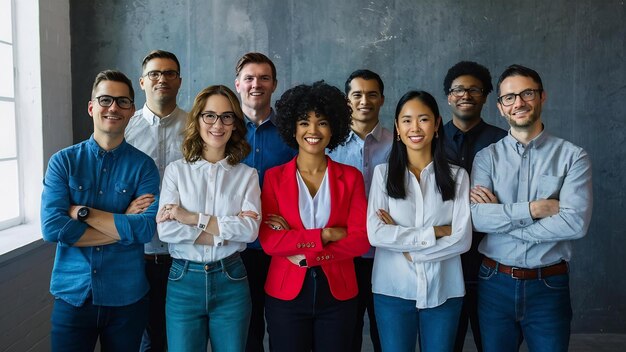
[{"x": 461, "y": 148}]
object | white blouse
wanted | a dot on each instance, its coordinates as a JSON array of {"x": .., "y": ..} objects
[
  {"x": 217, "y": 189},
  {"x": 435, "y": 272},
  {"x": 314, "y": 211}
]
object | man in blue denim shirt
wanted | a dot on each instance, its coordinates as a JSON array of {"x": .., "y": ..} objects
[
  {"x": 98, "y": 278},
  {"x": 255, "y": 82}
]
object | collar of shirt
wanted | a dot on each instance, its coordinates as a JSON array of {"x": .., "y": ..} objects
[
  {"x": 270, "y": 119},
  {"x": 534, "y": 143},
  {"x": 153, "y": 119},
  {"x": 203, "y": 163},
  {"x": 98, "y": 151}
]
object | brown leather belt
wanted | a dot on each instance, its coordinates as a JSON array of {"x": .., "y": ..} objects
[
  {"x": 528, "y": 274},
  {"x": 158, "y": 258}
]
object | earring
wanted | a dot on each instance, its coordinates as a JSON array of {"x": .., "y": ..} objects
[
  {"x": 398, "y": 137},
  {"x": 436, "y": 134}
]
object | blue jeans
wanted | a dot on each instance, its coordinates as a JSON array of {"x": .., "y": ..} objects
[
  {"x": 78, "y": 328},
  {"x": 510, "y": 310},
  {"x": 400, "y": 323},
  {"x": 205, "y": 302}
]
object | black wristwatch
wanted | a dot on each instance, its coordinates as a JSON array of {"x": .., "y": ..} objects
[{"x": 83, "y": 214}]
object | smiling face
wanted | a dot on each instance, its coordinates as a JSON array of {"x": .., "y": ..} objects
[
  {"x": 255, "y": 84},
  {"x": 416, "y": 125},
  {"x": 466, "y": 107},
  {"x": 313, "y": 134},
  {"x": 522, "y": 115},
  {"x": 365, "y": 99},
  {"x": 215, "y": 135},
  {"x": 163, "y": 91},
  {"x": 110, "y": 122}
]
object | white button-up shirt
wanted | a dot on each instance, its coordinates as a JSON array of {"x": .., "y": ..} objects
[
  {"x": 161, "y": 139},
  {"x": 435, "y": 272},
  {"x": 217, "y": 189},
  {"x": 314, "y": 211}
]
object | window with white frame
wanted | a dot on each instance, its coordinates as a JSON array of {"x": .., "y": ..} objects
[{"x": 9, "y": 180}]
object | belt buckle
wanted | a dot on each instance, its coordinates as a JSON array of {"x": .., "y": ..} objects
[
  {"x": 156, "y": 258},
  {"x": 513, "y": 268}
]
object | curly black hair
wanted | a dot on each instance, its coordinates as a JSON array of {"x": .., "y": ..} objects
[
  {"x": 469, "y": 68},
  {"x": 321, "y": 98}
]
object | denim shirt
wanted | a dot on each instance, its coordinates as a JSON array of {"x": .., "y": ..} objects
[
  {"x": 268, "y": 150},
  {"x": 85, "y": 174}
]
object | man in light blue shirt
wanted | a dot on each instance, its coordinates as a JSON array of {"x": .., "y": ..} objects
[
  {"x": 98, "y": 278},
  {"x": 531, "y": 195},
  {"x": 368, "y": 145},
  {"x": 157, "y": 131}
]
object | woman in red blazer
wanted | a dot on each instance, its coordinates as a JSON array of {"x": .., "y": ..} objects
[{"x": 315, "y": 224}]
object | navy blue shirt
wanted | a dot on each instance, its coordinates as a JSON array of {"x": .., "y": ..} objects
[
  {"x": 85, "y": 174},
  {"x": 461, "y": 148},
  {"x": 268, "y": 150}
]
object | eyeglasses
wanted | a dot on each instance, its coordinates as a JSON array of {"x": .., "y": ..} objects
[
  {"x": 210, "y": 118},
  {"x": 525, "y": 95},
  {"x": 156, "y": 75},
  {"x": 106, "y": 101},
  {"x": 459, "y": 91}
]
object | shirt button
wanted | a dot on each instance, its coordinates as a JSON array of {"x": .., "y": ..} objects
[
  {"x": 98, "y": 249},
  {"x": 80, "y": 187},
  {"x": 104, "y": 170},
  {"x": 424, "y": 243},
  {"x": 94, "y": 271},
  {"x": 258, "y": 150},
  {"x": 100, "y": 192}
]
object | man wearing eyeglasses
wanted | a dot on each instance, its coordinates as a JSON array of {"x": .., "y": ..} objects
[
  {"x": 255, "y": 81},
  {"x": 98, "y": 278},
  {"x": 531, "y": 195},
  {"x": 157, "y": 131},
  {"x": 467, "y": 85}
]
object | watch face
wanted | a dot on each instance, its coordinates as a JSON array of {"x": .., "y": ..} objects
[{"x": 83, "y": 213}]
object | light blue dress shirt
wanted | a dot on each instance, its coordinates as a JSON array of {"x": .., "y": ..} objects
[{"x": 547, "y": 168}]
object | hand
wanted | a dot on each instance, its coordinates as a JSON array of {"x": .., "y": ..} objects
[
  {"x": 384, "y": 216},
  {"x": 333, "y": 234},
  {"x": 73, "y": 211},
  {"x": 248, "y": 213},
  {"x": 480, "y": 194},
  {"x": 444, "y": 230},
  {"x": 542, "y": 208},
  {"x": 277, "y": 222},
  {"x": 140, "y": 204},
  {"x": 171, "y": 212}
]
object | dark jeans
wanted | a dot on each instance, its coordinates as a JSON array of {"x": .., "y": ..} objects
[
  {"x": 257, "y": 264},
  {"x": 314, "y": 320},
  {"x": 78, "y": 328},
  {"x": 154, "y": 337},
  {"x": 469, "y": 315},
  {"x": 363, "y": 268}
]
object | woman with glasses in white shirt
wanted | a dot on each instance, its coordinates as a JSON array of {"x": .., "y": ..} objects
[
  {"x": 210, "y": 208},
  {"x": 314, "y": 226},
  {"x": 419, "y": 222}
]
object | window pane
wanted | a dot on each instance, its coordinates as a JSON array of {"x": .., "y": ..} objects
[
  {"x": 5, "y": 21},
  {"x": 10, "y": 205},
  {"x": 7, "y": 132},
  {"x": 6, "y": 70}
]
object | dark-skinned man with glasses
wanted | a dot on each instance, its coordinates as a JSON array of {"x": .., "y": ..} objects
[
  {"x": 467, "y": 85},
  {"x": 156, "y": 130},
  {"x": 532, "y": 196},
  {"x": 98, "y": 278}
]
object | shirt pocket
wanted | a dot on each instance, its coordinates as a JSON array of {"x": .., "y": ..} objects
[
  {"x": 124, "y": 193},
  {"x": 549, "y": 186},
  {"x": 80, "y": 189}
]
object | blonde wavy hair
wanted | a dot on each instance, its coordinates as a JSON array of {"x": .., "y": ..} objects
[{"x": 237, "y": 148}]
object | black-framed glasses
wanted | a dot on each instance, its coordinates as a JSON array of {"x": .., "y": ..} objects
[
  {"x": 228, "y": 118},
  {"x": 106, "y": 101},
  {"x": 156, "y": 75},
  {"x": 460, "y": 91},
  {"x": 525, "y": 95}
]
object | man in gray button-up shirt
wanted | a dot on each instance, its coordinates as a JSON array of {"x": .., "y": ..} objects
[{"x": 532, "y": 195}]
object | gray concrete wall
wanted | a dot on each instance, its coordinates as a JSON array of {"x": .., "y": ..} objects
[{"x": 577, "y": 47}]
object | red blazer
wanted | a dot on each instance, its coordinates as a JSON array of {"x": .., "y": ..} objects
[{"x": 347, "y": 209}]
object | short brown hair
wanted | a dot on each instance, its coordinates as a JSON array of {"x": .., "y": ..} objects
[
  {"x": 254, "y": 58},
  {"x": 159, "y": 54},
  {"x": 237, "y": 147},
  {"x": 115, "y": 76}
]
